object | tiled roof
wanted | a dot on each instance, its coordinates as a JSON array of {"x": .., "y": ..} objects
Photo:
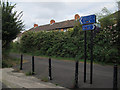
[{"x": 55, "y": 26}]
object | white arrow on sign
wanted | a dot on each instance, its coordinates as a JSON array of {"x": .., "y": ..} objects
[
  {"x": 93, "y": 26},
  {"x": 81, "y": 20}
]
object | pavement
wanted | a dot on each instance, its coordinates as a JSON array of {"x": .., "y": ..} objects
[
  {"x": 12, "y": 79},
  {"x": 63, "y": 72}
]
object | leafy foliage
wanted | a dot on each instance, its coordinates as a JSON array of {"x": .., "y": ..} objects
[
  {"x": 106, "y": 48},
  {"x": 66, "y": 44},
  {"x": 105, "y": 18},
  {"x": 11, "y": 24}
]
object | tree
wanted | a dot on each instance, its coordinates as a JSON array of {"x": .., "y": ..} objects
[
  {"x": 106, "y": 48},
  {"x": 11, "y": 24},
  {"x": 105, "y": 18}
]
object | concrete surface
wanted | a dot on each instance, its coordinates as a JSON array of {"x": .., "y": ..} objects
[{"x": 19, "y": 80}]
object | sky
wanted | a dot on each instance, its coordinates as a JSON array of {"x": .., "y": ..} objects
[{"x": 42, "y": 11}]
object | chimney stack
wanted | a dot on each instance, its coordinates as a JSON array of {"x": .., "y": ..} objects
[
  {"x": 76, "y": 17},
  {"x": 35, "y": 25},
  {"x": 52, "y": 21}
]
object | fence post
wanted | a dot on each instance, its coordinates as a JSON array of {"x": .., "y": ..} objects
[
  {"x": 76, "y": 74},
  {"x": 33, "y": 72},
  {"x": 115, "y": 77},
  {"x": 50, "y": 74},
  {"x": 21, "y": 62}
]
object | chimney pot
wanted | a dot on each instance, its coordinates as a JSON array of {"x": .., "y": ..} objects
[
  {"x": 76, "y": 17},
  {"x": 52, "y": 21},
  {"x": 35, "y": 25}
]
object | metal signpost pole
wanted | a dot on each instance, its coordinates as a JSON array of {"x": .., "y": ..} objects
[
  {"x": 87, "y": 22},
  {"x": 91, "y": 63},
  {"x": 85, "y": 56}
]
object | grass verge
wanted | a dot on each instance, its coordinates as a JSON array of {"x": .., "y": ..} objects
[
  {"x": 70, "y": 59},
  {"x": 8, "y": 62},
  {"x": 29, "y": 73}
]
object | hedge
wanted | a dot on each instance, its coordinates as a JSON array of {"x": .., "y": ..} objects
[{"x": 70, "y": 44}]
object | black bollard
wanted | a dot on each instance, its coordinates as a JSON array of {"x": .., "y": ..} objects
[
  {"x": 115, "y": 77},
  {"x": 76, "y": 74},
  {"x": 33, "y": 72},
  {"x": 50, "y": 74},
  {"x": 21, "y": 62}
]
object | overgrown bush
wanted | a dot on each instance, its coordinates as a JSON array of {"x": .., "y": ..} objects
[
  {"x": 15, "y": 47},
  {"x": 106, "y": 45},
  {"x": 51, "y": 43},
  {"x": 8, "y": 62}
]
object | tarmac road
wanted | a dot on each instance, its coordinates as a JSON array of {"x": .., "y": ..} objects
[{"x": 63, "y": 72}]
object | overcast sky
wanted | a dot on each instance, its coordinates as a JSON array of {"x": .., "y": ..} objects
[{"x": 42, "y": 11}]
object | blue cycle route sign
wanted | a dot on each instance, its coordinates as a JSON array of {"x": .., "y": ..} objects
[
  {"x": 88, "y": 19},
  {"x": 88, "y": 27}
]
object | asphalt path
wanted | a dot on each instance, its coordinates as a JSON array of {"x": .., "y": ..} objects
[{"x": 63, "y": 72}]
